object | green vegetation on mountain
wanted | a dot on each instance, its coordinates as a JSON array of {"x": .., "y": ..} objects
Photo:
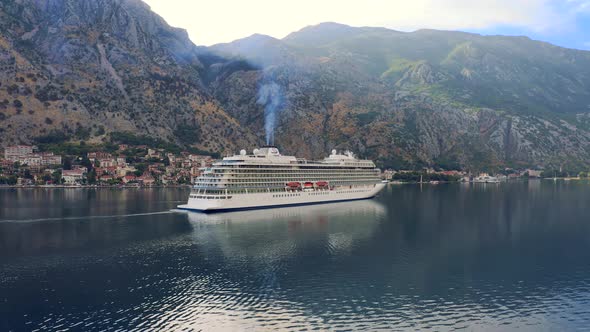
[
  {"x": 429, "y": 97},
  {"x": 91, "y": 70}
]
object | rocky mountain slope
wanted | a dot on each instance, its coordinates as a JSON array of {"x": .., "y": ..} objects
[
  {"x": 428, "y": 97},
  {"x": 84, "y": 69}
]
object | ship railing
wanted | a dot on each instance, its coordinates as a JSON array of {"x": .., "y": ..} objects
[{"x": 253, "y": 185}]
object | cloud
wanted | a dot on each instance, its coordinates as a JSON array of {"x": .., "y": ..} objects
[
  {"x": 580, "y": 6},
  {"x": 210, "y": 22}
]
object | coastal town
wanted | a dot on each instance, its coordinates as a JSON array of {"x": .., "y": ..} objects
[
  {"x": 141, "y": 165},
  {"x": 129, "y": 165},
  {"x": 434, "y": 176}
]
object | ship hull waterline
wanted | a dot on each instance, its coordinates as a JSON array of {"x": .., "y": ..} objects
[{"x": 255, "y": 201}]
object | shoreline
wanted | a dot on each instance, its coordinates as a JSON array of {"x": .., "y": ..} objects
[
  {"x": 5, "y": 186},
  {"x": 89, "y": 187},
  {"x": 566, "y": 179}
]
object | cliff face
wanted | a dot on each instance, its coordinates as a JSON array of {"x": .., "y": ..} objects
[
  {"x": 92, "y": 67},
  {"x": 423, "y": 98},
  {"x": 87, "y": 68}
]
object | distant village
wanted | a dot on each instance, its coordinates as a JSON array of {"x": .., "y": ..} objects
[
  {"x": 140, "y": 165},
  {"x": 434, "y": 176},
  {"x": 129, "y": 166}
]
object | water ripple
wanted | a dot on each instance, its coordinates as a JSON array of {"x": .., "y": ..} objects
[{"x": 415, "y": 262}]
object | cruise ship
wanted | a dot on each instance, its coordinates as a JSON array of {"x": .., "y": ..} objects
[{"x": 267, "y": 179}]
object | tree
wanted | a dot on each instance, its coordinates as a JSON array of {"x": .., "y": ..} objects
[
  {"x": 11, "y": 180},
  {"x": 100, "y": 131},
  {"x": 86, "y": 163},
  {"x": 56, "y": 177},
  {"x": 46, "y": 178},
  {"x": 141, "y": 167},
  {"x": 67, "y": 163},
  {"x": 82, "y": 133},
  {"x": 184, "y": 180},
  {"x": 187, "y": 134},
  {"x": 91, "y": 177},
  {"x": 114, "y": 181}
]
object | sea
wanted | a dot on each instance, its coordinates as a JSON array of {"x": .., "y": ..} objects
[{"x": 446, "y": 257}]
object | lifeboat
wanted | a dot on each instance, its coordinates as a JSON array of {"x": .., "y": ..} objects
[
  {"x": 293, "y": 184},
  {"x": 321, "y": 184},
  {"x": 308, "y": 184}
]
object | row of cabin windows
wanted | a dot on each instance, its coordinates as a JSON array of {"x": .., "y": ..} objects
[
  {"x": 294, "y": 179},
  {"x": 289, "y": 167},
  {"x": 267, "y": 186},
  {"x": 210, "y": 197},
  {"x": 289, "y": 177},
  {"x": 277, "y": 183},
  {"x": 279, "y": 195},
  {"x": 285, "y": 180},
  {"x": 286, "y": 195},
  {"x": 351, "y": 191},
  {"x": 290, "y": 171},
  {"x": 285, "y": 176},
  {"x": 224, "y": 192}
]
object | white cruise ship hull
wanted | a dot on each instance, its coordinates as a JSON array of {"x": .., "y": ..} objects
[{"x": 282, "y": 199}]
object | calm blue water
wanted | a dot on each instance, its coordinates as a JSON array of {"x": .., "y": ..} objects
[{"x": 477, "y": 257}]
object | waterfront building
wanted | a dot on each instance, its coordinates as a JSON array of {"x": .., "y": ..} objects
[
  {"x": 13, "y": 153},
  {"x": 74, "y": 176}
]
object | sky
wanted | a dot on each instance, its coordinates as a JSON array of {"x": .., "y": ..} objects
[{"x": 561, "y": 22}]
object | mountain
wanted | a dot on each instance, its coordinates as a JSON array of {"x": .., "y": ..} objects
[
  {"x": 427, "y": 97},
  {"x": 81, "y": 70}
]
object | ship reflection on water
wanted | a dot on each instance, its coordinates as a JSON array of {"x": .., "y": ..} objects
[
  {"x": 337, "y": 226},
  {"x": 268, "y": 265},
  {"x": 316, "y": 212}
]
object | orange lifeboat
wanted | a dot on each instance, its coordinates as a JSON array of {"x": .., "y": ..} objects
[{"x": 293, "y": 185}]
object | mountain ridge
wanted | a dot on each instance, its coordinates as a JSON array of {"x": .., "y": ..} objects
[
  {"x": 106, "y": 65},
  {"x": 423, "y": 98},
  {"x": 484, "y": 83}
]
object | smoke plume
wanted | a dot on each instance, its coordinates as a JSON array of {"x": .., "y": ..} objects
[{"x": 270, "y": 95}]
